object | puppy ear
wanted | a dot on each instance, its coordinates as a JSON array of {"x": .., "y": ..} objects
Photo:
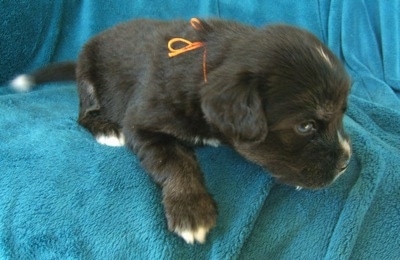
[{"x": 235, "y": 107}]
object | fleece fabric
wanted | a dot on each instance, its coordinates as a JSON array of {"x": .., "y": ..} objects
[{"x": 63, "y": 196}]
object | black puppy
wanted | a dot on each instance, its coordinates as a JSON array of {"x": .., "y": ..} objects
[{"x": 276, "y": 95}]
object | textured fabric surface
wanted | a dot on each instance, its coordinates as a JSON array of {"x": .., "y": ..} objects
[{"x": 63, "y": 196}]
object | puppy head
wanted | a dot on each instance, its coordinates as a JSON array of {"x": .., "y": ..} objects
[{"x": 283, "y": 107}]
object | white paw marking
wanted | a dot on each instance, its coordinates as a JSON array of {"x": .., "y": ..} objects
[
  {"x": 190, "y": 236},
  {"x": 22, "y": 83},
  {"x": 211, "y": 142},
  {"x": 298, "y": 188},
  {"x": 111, "y": 140},
  {"x": 324, "y": 55}
]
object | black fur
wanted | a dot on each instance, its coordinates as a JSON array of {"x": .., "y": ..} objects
[{"x": 276, "y": 95}]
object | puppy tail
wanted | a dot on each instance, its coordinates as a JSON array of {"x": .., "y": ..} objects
[{"x": 64, "y": 71}]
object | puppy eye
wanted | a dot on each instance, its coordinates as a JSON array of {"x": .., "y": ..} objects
[{"x": 305, "y": 128}]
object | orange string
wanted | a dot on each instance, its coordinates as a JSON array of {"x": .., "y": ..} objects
[
  {"x": 195, "y": 23},
  {"x": 189, "y": 46},
  {"x": 205, "y": 65}
]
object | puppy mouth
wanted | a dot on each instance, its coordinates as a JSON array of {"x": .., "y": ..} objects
[
  {"x": 301, "y": 186},
  {"x": 342, "y": 170},
  {"x": 305, "y": 179},
  {"x": 315, "y": 176}
]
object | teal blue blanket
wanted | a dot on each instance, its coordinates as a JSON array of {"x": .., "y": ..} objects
[{"x": 63, "y": 196}]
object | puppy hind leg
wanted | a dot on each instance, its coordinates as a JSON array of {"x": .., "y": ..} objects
[
  {"x": 189, "y": 209},
  {"x": 105, "y": 131}
]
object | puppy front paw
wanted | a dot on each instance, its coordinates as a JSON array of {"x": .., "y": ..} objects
[{"x": 190, "y": 216}]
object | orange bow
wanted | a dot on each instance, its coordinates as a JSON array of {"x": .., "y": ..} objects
[{"x": 189, "y": 46}]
